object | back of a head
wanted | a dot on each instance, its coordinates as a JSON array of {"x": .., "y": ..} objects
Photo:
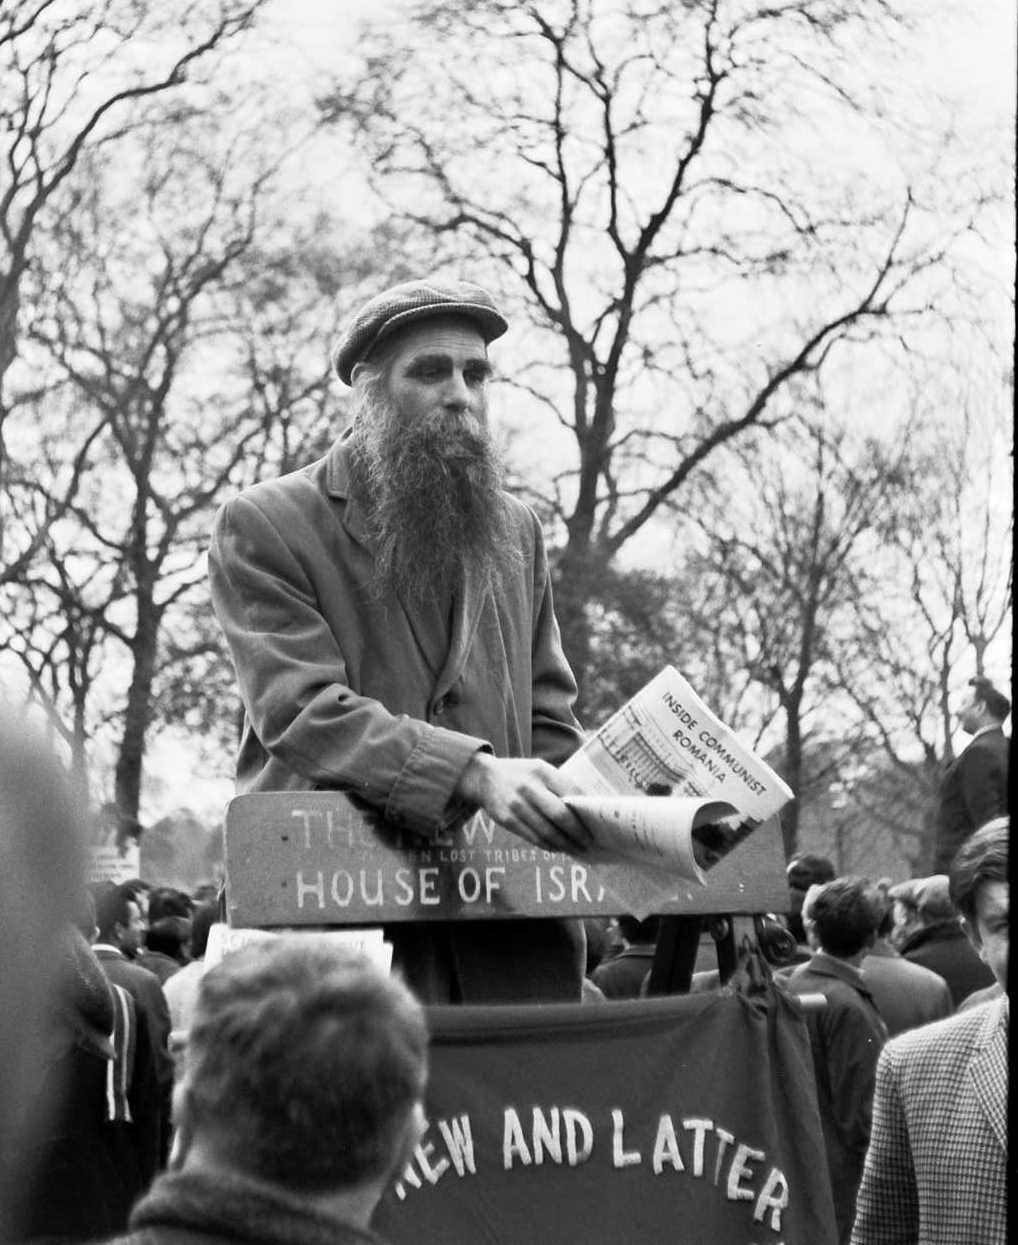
[
  {"x": 111, "y": 908},
  {"x": 304, "y": 1064},
  {"x": 983, "y": 857},
  {"x": 168, "y": 935},
  {"x": 932, "y": 900},
  {"x": 165, "y": 901},
  {"x": 844, "y": 914}
]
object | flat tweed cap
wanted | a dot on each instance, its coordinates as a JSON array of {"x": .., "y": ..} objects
[{"x": 402, "y": 305}]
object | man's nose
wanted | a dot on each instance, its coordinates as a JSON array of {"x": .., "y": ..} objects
[{"x": 457, "y": 392}]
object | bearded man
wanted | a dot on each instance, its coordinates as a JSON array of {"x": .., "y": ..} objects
[{"x": 390, "y": 617}]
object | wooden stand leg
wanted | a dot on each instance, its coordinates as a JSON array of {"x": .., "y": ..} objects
[{"x": 675, "y": 955}]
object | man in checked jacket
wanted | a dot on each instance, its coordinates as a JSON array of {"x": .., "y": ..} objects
[{"x": 936, "y": 1167}]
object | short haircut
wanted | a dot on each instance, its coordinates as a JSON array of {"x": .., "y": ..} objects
[
  {"x": 304, "y": 1064},
  {"x": 981, "y": 858},
  {"x": 807, "y": 868},
  {"x": 164, "y": 901},
  {"x": 111, "y": 907},
  {"x": 844, "y": 914},
  {"x": 996, "y": 702},
  {"x": 168, "y": 935}
]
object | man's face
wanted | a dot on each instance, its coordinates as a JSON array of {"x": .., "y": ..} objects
[
  {"x": 971, "y": 714},
  {"x": 438, "y": 371},
  {"x": 990, "y": 933},
  {"x": 133, "y": 932}
]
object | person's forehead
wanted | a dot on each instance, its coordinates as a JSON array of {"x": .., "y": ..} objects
[{"x": 455, "y": 336}]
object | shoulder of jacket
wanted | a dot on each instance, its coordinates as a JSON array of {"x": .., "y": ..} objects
[
  {"x": 940, "y": 1036},
  {"x": 265, "y": 495}
]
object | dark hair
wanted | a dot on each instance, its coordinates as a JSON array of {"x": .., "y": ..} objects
[
  {"x": 996, "y": 702},
  {"x": 633, "y": 930},
  {"x": 981, "y": 858},
  {"x": 807, "y": 869},
  {"x": 205, "y": 916},
  {"x": 304, "y": 1063},
  {"x": 168, "y": 936},
  {"x": 845, "y": 913},
  {"x": 165, "y": 901},
  {"x": 111, "y": 907}
]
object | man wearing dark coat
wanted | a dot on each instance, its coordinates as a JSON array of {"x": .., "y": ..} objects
[
  {"x": 300, "y": 1099},
  {"x": 847, "y": 1034},
  {"x": 973, "y": 790},
  {"x": 390, "y": 618}
]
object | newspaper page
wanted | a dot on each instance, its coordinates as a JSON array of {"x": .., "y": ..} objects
[
  {"x": 665, "y": 742},
  {"x": 654, "y": 833}
]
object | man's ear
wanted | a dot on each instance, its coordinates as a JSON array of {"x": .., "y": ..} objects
[
  {"x": 414, "y": 1129},
  {"x": 972, "y": 934}
]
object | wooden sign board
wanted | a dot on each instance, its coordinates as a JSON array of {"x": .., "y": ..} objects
[{"x": 315, "y": 858}]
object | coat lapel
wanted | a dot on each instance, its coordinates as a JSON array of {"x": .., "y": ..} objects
[
  {"x": 988, "y": 1070},
  {"x": 466, "y": 614}
]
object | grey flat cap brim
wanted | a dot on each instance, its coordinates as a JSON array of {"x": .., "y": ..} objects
[{"x": 402, "y": 305}]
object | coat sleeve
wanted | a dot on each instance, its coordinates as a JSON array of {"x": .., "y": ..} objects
[
  {"x": 887, "y": 1207},
  {"x": 556, "y": 734},
  {"x": 293, "y": 683}
]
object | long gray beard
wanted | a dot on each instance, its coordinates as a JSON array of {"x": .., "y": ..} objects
[{"x": 432, "y": 500}]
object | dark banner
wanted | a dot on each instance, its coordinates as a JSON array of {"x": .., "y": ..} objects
[{"x": 689, "y": 1119}]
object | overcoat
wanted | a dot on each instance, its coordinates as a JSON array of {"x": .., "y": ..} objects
[
  {"x": 973, "y": 791},
  {"x": 936, "y": 1168},
  {"x": 347, "y": 687}
]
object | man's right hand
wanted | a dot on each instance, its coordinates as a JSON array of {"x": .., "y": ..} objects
[{"x": 525, "y": 797}]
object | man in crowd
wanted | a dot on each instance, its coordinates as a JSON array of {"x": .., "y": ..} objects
[
  {"x": 847, "y": 1034},
  {"x": 938, "y": 940},
  {"x": 936, "y": 1169},
  {"x": 906, "y": 994},
  {"x": 301, "y": 1098},
  {"x": 974, "y": 787},
  {"x": 120, "y": 932},
  {"x": 804, "y": 870},
  {"x": 622, "y": 976},
  {"x": 389, "y": 613}
]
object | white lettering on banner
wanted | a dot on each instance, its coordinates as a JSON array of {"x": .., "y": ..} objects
[
  {"x": 513, "y": 1142},
  {"x": 774, "y": 1194},
  {"x": 739, "y": 1170},
  {"x": 700, "y": 1127},
  {"x": 725, "y": 1139},
  {"x": 547, "y": 1136},
  {"x": 666, "y": 1147},
  {"x": 459, "y": 1143},
  {"x": 620, "y": 1156},
  {"x": 565, "y": 1136}
]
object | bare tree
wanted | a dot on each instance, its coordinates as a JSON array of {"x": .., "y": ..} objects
[
  {"x": 157, "y": 333},
  {"x": 642, "y": 181},
  {"x": 783, "y": 543},
  {"x": 75, "y": 78},
  {"x": 937, "y": 614}
]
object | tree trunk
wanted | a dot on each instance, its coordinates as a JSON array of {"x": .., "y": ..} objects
[{"x": 137, "y": 715}]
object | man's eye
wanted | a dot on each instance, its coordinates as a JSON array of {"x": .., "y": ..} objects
[{"x": 476, "y": 377}]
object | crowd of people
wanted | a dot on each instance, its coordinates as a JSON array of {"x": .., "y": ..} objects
[
  {"x": 389, "y": 613},
  {"x": 175, "y": 1084}
]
